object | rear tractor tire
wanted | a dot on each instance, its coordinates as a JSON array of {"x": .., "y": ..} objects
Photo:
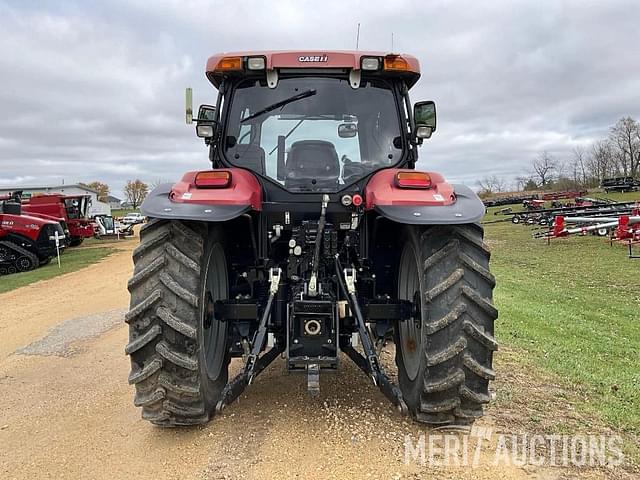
[
  {"x": 76, "y": 241},
  {"x": 444, "y": 356},
  {"x": 179, "y": 353}
]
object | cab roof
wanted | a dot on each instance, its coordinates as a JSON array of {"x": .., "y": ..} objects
[{"x": 391, "y": 64}]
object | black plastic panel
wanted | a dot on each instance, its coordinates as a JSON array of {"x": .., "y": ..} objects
[{"x": 158, "y": 205}]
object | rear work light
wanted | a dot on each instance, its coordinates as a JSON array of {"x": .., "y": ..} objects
[
  {"x": 256, "y": 63},
  {"x": 370, "y": 63},
  {"x": 395, "y": 62},
  {"x": 413, "y": 180},
  {"x": 229, "y": 64},
  {"x": 213, "y": 179}
]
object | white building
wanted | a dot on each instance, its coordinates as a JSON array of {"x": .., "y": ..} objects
[
  {"x": 114, "y": 202},
  {"x": 95, "y": 207}
]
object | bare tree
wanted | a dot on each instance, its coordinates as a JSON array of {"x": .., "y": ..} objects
[
  {"x": 543, "y": 166},
  {"x": 625, "y": 135},
  {"x": 136, "y": 191},
  {"x": 578, "y": 165},
  {"x": 491, "y": 184},
  {"x": 157, "y": 182},
  {"x": 521, "y": 181},
  {"x": 600, "y": 163}
]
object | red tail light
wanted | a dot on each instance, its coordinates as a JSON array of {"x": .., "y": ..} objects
[
  {"x": 413, "y": 180},
  {"x": 213, "y": 179}
]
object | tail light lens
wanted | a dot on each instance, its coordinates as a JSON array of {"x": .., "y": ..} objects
[
  {"x": 413, "y": 180},
  {"x": 230, "y": 63},
  {"x": 395, "y": 63},
  {"x": 213, "y": 179}
]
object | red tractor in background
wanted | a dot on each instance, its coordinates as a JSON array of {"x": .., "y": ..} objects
[
  {"x": 72, "y": 209},
  {"x": 26, "y": 242},
  {"x": 312, "y": 237}
]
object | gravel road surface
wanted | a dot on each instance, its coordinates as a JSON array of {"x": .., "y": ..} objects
[{"x": 66, "y": 410}]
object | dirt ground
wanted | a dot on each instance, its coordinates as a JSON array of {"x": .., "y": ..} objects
[{"x": 66, "y": 410}]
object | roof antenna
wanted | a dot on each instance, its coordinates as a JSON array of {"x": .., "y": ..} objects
[
  {"x": 358, "y": 36},
  {"x": 391, "y": 42}
]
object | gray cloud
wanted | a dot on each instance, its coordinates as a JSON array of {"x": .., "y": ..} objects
[{"x": 96, "y": 91}]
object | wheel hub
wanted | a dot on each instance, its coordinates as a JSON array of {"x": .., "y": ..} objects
[{"x": 409, "y": 332}]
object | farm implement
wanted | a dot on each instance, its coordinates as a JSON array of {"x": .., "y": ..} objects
[
  {"x": 590, "y": 208},
  {"x": 622, "y": 228}
]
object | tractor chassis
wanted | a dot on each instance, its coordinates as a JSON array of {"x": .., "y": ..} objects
[{"x": 385, "y": 313}]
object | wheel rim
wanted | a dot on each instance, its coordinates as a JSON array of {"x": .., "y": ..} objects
[
  {"x": 23, "y": 264},
  {"x": 410, "y": 334},
  {"x": 214, "y": 331}
]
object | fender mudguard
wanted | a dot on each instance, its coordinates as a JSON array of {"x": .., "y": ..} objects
[
  {"x": 442, "y": 204},
  {"x": 185, "y": 201}
]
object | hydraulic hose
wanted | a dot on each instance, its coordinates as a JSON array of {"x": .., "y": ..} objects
[{"x": 313, "y": 283}]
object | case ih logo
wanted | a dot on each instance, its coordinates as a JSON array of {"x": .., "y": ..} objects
[{"x": 313, "y": 58}]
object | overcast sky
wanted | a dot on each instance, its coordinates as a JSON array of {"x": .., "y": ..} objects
[{"x": 95, "y": 91}]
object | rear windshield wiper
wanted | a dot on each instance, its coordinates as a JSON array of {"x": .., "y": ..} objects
[{"x": 281, "y": 103}]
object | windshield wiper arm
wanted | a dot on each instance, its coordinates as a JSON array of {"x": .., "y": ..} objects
[{"x": 281, "y": 103}]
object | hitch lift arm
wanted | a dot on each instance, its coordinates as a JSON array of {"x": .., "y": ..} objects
[
  {"x": 255, "y": 365},
  {"x": 369, "y": 364}
]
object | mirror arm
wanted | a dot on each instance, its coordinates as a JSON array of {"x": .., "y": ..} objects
[
  {"x": 411, "y": 137},
  {"x": 213, "y": 142}
]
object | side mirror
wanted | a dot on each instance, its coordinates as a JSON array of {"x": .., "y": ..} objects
[
  {"x": 424, "y": 115},
  {"x": 206, "y": 124},
  {"x": 347, "y": 130},
  {"x": 206, "y": 113}
]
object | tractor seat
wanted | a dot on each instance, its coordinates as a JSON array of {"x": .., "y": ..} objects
[
  {"x": 312, "y": 160},
  {"x": 248, "y": 156}
]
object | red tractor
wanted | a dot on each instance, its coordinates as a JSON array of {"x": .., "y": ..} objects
[
  {"x": 73, "y": 209},
  {"x": 25, "y": 241},
  {"x": 311, "y": 235}
]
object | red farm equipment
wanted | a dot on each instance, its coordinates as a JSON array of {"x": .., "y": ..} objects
[
  {"x": 26, "y": 242},
  {"x": 312, "y": 237},
  {"x": 623, "y": 228},
  {"x": 73, "y": 209}
]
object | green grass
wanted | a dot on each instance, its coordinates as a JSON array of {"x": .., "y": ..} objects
[
  {"x": 618, "y": 197},
  {"x": 574, "y": 307},
  {"x": 121, "y": 212},
  {"x": 73, "y": 259}
]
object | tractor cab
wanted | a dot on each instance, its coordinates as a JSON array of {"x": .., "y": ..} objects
[{"x": 314, "y": 123}]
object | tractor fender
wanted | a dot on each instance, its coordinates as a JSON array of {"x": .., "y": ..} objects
[
  {"x": 185, "y": 201},
  {"x": 441, "y": 204}
]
